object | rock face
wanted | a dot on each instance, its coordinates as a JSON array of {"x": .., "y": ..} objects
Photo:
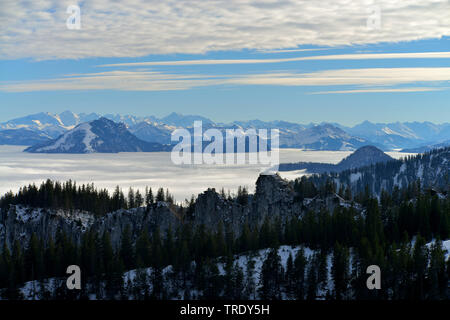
[
  {"x": 274, "y": 197},
  {"x": 102, "y": 135},
  {"x": 19, "y": 223}
]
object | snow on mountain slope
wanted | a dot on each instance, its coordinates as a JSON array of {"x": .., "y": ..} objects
[
  {"x": 101, "y": 135},
  {"x": 31, "y": 289},
  {"x": 400, "y": 135},
  {"x": 65, "y": 142},
  {"x": 324, "y": 136}
]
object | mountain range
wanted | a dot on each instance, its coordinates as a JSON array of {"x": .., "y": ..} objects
[
  {"x": 102, "y": 136},
  {"x": 43, "y": 127}
]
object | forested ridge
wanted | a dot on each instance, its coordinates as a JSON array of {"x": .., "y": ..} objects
[
  {"x": 381, "y": 235},
  {"x": 390, "y": 230}
]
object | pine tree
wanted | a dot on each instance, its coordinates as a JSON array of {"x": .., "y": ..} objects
[
  {"x": 143, "y": 249},
  {"x": 149, "y": 200},
  {"x": 290, "y": 276},
  {"x": 139, "y": 200},
  {"x": 437, "y": 274},
  {"x": 213, "y": 283},
  {"x": 272, "y": 275},
  {"x": 340, "y": 271},
  {"x": 126, "y": 251},
  {"x": 311, "y": 279},
  {"x": 131, "y": 198},
  {"x": 420, "y": 257},
  {"x": 300, "y": 264},
  {"x": 160, "y": 197},
  {"x": 250, "y": 285}
]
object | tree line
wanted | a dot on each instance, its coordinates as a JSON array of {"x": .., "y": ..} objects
[
  {"x": 381, "y": 234},
  {"x": 68, "y": 196}
]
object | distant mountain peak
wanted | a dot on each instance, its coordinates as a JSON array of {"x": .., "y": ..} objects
[{"x": 101, "y": 135}]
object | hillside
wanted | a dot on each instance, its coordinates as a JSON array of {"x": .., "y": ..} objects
[
  {"x": 431, "y": 168},
  {"x": 364, "y": 156},
  {"x": 103, "y": 136}
]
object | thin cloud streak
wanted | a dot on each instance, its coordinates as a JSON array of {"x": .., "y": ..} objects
[
  {"x": 365, "y": 56},
  {"x": 386, "y": 90},
  {"x": 157, "y": 81}
]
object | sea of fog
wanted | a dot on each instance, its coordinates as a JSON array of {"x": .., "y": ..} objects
[{"x": 138, "y": 170}]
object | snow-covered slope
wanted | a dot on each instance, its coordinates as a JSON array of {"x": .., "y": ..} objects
[
  {"x": 32, "y": 289},
  {"x": 401, "y": 135},
  {"x": 325, "y": 136},
  {"x": 432, "y": 168},
  {"x": 101, "y": 135}
]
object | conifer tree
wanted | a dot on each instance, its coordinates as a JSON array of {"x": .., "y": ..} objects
[
  {"x": 340, "y": 271},
  {"x": 300, "y": 264},
  {"x": 126, "y": 250},
  {"x": 272, "y": 275}
]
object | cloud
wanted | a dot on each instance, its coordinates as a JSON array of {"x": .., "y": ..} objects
[
  {"x": 382, "y": 90},
  {"x": 364, "y": 56},
  {"x": 366, "y": 76},
  {"x": 113, "y": 80},
  {"x": 37, "y": 29},
  {"x": 144, "y": 80}
]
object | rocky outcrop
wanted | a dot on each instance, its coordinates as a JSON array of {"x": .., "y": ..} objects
[
  {"x": 274, "y": 197},
  {"x": 19, "y": 223},
  {"x": 160, "y": 215}
]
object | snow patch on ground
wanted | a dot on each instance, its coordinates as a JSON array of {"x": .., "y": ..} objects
[
  {"x": 83, "y": 218},
  {"x": 355, "y": 177},
  {"x": 89, "y": 136}
]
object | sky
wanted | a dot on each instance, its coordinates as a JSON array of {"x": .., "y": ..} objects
[{"x": 301, "y": 61}]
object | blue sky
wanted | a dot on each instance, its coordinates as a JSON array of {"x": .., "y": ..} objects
[{"x": 210, "y": 61}]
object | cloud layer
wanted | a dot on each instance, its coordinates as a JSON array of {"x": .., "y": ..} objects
[
  {"x": 146, "y": 80},
  {"x": 37, "y": 29}
]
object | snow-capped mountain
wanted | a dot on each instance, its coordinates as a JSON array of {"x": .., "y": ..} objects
[
  {"x": 52, "y": 125},
  {"x": 102, "y": 135},
  {"x": 401, "y": 135},
  {"x": 152, "y": 131},
  {"x": 180, "y": 120},
  {"x": 324, "y": 136},
  {"x": 40, "y": 122}
]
